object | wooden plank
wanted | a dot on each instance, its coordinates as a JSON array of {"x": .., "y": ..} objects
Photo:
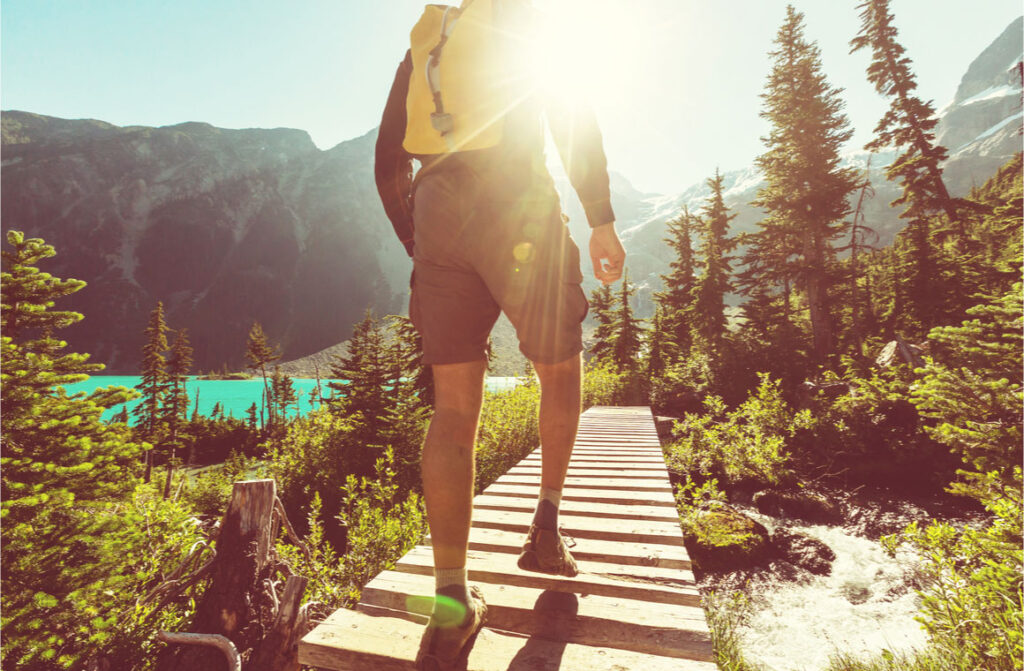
[
  {"x": 670, "y": 630},
  {"x": 590, "y": 509},
  {"x": 583, "y": 495},
  {"x": 618, "y": 484},
  {"x": 617, "y": 531},
  {"x": 586, "y": 459},
  {"x": 600, "y": 475},
  {"x": 656, "y": 575},
  {"x": 586, "y": 549},
  {"x": 598, "y": 578},
  {"x": 354, "y": 641}
]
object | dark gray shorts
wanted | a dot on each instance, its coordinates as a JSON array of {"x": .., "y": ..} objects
[{"x": 480, "y": 251}]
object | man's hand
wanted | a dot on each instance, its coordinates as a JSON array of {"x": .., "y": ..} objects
[{"x": 606, "y": 253}]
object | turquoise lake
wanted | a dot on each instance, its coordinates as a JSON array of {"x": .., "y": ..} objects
[{"x": 236, "y": 396}]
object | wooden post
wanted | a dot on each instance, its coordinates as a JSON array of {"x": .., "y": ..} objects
[
  {"x": 278, "y": 651},
  {"x": 229, "y": 607}
]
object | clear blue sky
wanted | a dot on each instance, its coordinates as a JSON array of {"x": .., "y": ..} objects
[{"x": 684, "y": 102}]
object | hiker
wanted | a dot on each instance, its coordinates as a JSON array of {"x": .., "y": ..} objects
[{"x": 483, "y": 224}]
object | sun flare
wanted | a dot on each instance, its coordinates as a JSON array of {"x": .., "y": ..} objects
[{"x": 587, "y": 47}]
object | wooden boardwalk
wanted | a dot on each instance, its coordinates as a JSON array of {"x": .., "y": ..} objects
[{"x": 634, "y": 604}]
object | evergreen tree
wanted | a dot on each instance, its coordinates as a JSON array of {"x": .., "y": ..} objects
[
  {"x": 60, "y": 467},
  {"x": 409, "y": 350},
  {"x": 714, "y": 282},
  {"x": 154, "y": 385},
  {"x": 258, "y": 354},
  {"x": 860, "y": 234},
  {"x": 601, "y": 300},
  {"x": 661, "y": 349},
  {"x": 176, "y": 405},
  {"x": 972, "y": 389},
  {"x": 282, "y": 390},
  {"x": 805, "y": 192},
  {"x": 251, "y": 418},
  {"x": 909, "y": 123},
  {"x": 626, "y": 330},
  {"x": 676, "y": 300}
]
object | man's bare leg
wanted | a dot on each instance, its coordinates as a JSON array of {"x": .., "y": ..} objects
[
  {"x": 544, "y": 550},
  {"x": 560, "y": 398},
  {"x": 448, "y": 475}
]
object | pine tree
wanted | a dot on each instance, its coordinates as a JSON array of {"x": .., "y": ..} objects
[
  {"x": 176, "y": 405},
  {"x": 909, "y": 123},
  {"x": 601, "y": 300},
  {"x": 60, "y": 468},
  {"x": 626, "y": 330},
  {"x": 805, "y": 192},
  {"x": 660, "y": 348},
  {"x": 676, "y": 300},
  {"x": 409, "y": 351},
  {"x": 154, "y": 385},
  {"x": 971, "y": 388},
  {"x": 258, "y": 354},
  {"x": 282, "y": 390},
  {"x": 714, "y": 282}
]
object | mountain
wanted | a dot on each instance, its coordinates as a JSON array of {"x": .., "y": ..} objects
[
  {"x": 228, "y": 227},
  {"x": 981, "y": 128}
]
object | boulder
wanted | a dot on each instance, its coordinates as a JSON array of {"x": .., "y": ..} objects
[
  {"x": 723, "y": 539},
  {"x": 804, "y": 551},
  {"x": 803, "y": 505}
]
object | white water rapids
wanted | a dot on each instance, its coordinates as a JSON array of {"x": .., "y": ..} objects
[{"x": 864, "y": 607}]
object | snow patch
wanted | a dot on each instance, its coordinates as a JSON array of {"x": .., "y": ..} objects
[
  {"x": 999, "y": 125},
  {"x": 991, "y": 93}
]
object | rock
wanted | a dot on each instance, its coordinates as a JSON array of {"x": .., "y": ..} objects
[
  {"x": 724, "y": 539},
  {"x": 804, "y": 551},
  {"x": 896, "y": 351},
  {"x": 803, "y": 505}
]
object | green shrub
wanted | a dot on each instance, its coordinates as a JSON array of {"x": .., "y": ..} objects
[
  {"x": 745, "y": 445},
  {"x": 603, "y": 383},
  {"x": 875, "y": 434},
  {"x": 972, "y": 592},
  {"x": 726, "y": 613},
  {"x": 508, "y": 431},
  {"x": 971, "y": 388}
]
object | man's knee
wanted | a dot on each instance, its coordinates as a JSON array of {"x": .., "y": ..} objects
[
  {"x": 561, "y": 372},
  {"x": 459, "y": 387}
]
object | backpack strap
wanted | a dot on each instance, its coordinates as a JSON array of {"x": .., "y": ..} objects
[{"x": 439, "y": 119}]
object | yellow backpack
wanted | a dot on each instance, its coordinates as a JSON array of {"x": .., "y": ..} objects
[{"x": 459, "y": 89}]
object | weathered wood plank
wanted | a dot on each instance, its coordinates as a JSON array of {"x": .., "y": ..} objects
[
  {"x": 354, "y": 641},
  {"x": 620, "y": 484},
  {"x": 590, "y": 509},
  {"x": 627, "y": 624},
  {"x": 584, "y": 495},
  {"x": 615, "y": 530},
  {"x": 586, "y": 549},
  {"x": 598, "y": 578}
]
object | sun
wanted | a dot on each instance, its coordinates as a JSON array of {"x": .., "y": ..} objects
[{"x": 587, "y": 47}]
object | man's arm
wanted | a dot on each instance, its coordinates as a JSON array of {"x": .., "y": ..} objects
[
  {"x": 392, "y": 164},
  {"x": 578, "y": 138}
]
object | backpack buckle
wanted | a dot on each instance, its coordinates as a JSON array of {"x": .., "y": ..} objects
[{"x": 442, "y": 122}]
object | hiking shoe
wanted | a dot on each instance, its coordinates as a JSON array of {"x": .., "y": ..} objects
[
  {"x": 545, "y": 552},
  {"x": 447, "y": 648}
]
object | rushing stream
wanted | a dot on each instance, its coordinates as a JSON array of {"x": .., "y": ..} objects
[
  {"x": 796, "y": 620},
  {"x": 865, "y": 606}
]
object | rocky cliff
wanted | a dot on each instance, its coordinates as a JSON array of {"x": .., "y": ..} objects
[{"x": 226, "y": 227}]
